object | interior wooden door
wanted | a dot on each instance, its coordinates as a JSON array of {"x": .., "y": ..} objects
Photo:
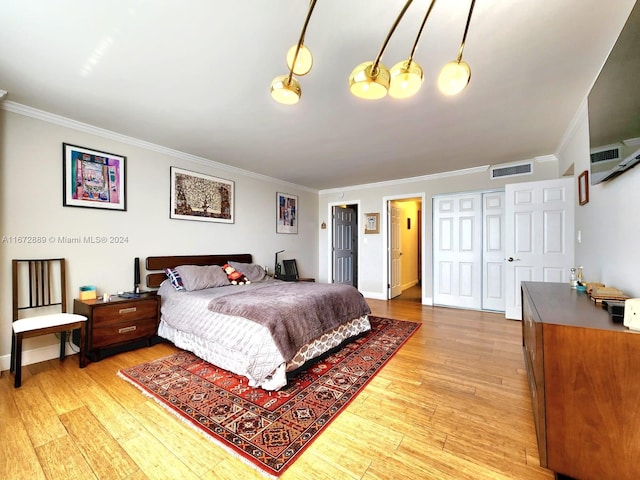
[
  {"x": 539, "y": 247},
  {"x": 395, "y": 249},
  {"x": 344, "y": 239}
]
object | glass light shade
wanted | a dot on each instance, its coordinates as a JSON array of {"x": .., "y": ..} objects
[
  {"x": 406, "y": 79},
  {"x": 304, "y": 62},
  {"x": 454, "y": 77},
  {"x": 285, "y": 92},
  {"x": 364, "y": 85}
]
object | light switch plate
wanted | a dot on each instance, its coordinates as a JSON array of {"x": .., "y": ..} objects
[{"x": 632, "y": 314}]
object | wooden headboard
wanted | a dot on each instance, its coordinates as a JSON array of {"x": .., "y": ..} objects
[{"x": 155, "y": 278}]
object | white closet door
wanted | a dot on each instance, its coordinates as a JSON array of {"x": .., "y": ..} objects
[
  {"x": 457, "y": 247},
  {"x": 493, "y": 265}
]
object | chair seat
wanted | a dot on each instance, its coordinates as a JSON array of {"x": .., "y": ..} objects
[{"x": 46, "y": 321}]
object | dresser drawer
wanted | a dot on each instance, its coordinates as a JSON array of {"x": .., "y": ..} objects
[
  {"x": 124, "y": 312},
  {"x": 114, "y": 334}
]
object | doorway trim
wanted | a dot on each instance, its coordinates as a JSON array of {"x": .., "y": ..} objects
[
  {"x": 330, "y": 206},
  {"x": 385, "y": 240}
]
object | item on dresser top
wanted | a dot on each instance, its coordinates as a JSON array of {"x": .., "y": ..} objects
[
  {"x": 631, "y": 318},
  {"x": 607, "y": 293}
]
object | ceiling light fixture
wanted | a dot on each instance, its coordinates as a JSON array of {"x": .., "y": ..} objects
[
  {"x": 455, "y": 76},
  {"x": 370, "y": 80},
  {"x": 286, "y": 89},
  {"x": 407, "y": 76}
]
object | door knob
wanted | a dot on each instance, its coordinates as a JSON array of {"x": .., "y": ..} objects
[{"x": 511, "y": 259}]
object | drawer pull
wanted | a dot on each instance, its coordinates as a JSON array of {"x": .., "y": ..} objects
[
  {"x": 122, "y": 311},
  {"x": 132, "y": 328}
]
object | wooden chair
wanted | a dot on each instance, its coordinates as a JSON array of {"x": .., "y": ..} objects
[{"x": 40, "y": 286}]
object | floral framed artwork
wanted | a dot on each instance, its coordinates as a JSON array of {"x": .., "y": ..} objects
[
  {"x": 583, "y": 188},
  {"x": 286, "y": 213},
  {"x": 93, "y": 179},
  {"x": 201, "y": 197},
  {"x": 372, "y": 223}
]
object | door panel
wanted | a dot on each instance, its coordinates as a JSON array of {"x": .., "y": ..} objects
[
  {"x": 493, "y": 252},
  {"x": 344, "y": 230},
  {"x": 458, "y": 250},
  {"x": 395, "y": 247},
  {"x": 539, "y": 236}
]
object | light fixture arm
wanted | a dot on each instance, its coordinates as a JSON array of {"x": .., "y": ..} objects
[
  {"x": 374, "y": 67},
  {"x": 424, "y": 21},
  {"x": 466, "y": 30},
  {"x": 312, "y": 5}
]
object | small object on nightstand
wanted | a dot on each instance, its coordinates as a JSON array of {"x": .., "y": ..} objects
[
  {"x": 87, "y": 292},
  {"x": 119, "y": 324}
]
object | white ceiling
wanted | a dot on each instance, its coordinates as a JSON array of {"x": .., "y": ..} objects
[{"x": 194, "y": 76}]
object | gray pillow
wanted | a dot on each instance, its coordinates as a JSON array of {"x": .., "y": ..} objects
[
  {"x": 253, "y": 272},
  {"x": 196, "y": 277}
]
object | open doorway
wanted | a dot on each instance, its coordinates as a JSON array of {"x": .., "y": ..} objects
[{"x": 404, "y": 217}]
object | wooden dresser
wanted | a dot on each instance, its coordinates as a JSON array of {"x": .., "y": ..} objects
[
  {"x": 584, "y": 376},
  {"x": 118, "y": 324}
]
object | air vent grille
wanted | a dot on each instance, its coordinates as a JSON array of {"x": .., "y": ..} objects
[
  {"x": 521, "y": 169},
  {"x": 605, "y": 155}
]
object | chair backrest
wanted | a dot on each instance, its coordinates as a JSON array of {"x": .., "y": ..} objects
[{"x": 38, "y": 284}]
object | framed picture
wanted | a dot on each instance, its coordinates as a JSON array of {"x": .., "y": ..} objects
[
  {"x": 286, "y": 213},
  {"x": 372, "y": 223},
  {"x": 93, "y": 179},
  {"x": 196, "y": 196},
  {"x": 583, "y": 188}
]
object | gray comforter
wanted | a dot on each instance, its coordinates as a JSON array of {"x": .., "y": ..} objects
[{"x": 295, "y": 313}]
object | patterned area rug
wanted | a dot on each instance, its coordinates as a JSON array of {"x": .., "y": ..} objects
[{"x": 269, "y": 429}]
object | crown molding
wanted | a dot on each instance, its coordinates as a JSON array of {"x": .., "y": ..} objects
[
  {"x": 101, "y": 132},
  {"x": 402, "y": 181}
]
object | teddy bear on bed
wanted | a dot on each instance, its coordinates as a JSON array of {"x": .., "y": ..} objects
[{"x": 234, "y": 276}]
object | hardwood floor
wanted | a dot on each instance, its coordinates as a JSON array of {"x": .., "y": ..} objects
[{"x": 452, "y": 404}]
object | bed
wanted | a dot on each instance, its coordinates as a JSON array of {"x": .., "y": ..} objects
[{"x": 257, "y": 327}]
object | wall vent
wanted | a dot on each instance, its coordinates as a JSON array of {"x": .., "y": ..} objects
[
  {"x": 605, "y": 155},
  {"x": 512, "y": 170}
]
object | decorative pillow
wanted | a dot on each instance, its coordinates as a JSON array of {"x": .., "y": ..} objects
[
  {"x": 175, "y": 278},
  {"x": 253, "y": 272},
  {"x": 234, "y": 276},
  {"x": 195, "y": 277}
]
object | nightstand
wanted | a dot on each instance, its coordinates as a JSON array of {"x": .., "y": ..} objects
[{"x": 118, "y": 324}]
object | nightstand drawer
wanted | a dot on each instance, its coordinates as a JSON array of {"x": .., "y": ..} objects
[
  {"x": 124, "y": 312},
  {"x": 113, "y": 334}
]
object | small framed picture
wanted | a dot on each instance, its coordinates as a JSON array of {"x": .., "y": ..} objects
[
  {"x": 93, "y": 179},
  {"x": 583, "y": 188},
  {"x": 286, "y": 213},
  {"x": 201, "y": 197},
  {"x": 372, "y": 223}
]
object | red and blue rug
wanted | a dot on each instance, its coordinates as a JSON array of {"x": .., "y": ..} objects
[{"x": 269, "y": 429}]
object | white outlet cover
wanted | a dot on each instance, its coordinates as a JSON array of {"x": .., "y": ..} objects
[{"x": 632, "y": 314}]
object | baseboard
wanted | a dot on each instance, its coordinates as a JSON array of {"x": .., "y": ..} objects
[
  {"x": 35, "y": 355},
  {"x": 408, "y": 285},
  {"x": 373, "y": 295}
]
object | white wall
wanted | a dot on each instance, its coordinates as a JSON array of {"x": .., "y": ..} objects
[
  {"x": 31, "y": 205},
  {"x": 372, "y": 280},
  {"x": 609, "y": 223}
]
